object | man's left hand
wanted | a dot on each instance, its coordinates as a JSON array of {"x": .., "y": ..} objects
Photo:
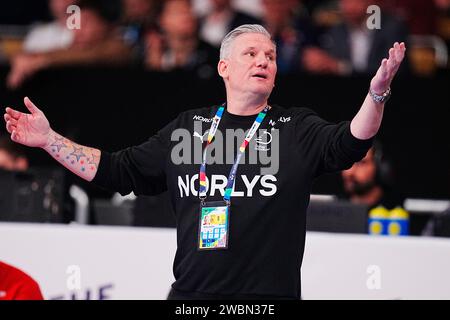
[{"x": 388, "y": 68}]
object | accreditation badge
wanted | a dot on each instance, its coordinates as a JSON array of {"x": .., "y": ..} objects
[{"x": 213, "y": 228}]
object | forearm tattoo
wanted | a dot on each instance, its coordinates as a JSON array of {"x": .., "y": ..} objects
[{"x": 81, "y": 160}]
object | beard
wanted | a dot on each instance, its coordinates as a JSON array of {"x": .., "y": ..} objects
[{"x": 360, "y": 188}]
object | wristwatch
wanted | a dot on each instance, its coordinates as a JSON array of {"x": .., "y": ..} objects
[{"x": 380, "y": 98}]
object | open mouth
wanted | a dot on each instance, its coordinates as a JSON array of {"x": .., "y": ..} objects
[{"x": 261, "y": 76}]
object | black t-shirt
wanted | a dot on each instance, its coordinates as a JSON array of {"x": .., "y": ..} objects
[{"x": 268, "y": 206}]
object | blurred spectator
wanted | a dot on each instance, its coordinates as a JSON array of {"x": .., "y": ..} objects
[
  {"x": 52, "y": 35},
  {"x": 96, "y": 42},
  {"x": 178, "y": 45},
  {"x": 291, "y": 31},
  {"x": 12, "y": 156},
  {"x": 221, "y": 20},
  {"x": 17, "y": 285},
  {"x": 442, "y": 4},
  {"x": 443, "y": 20},
  {"x": 138, "y": 15},
  {"x": 140, "y": 12},
  {"x": 427, "y": 47},
  {"x": 369, "y": 181},
  {"x": 420, "y": 15},
  {"x": 354, "y": 48},
  {"x": 324, "y": 13}
]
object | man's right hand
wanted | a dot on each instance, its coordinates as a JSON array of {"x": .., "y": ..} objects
[{"x": 32, "y": 130}]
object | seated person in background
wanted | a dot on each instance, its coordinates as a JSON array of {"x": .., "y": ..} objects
[
  {"x": 419, "y": 15},
  {"x": 222, "y": 19},
  {"x": 137, "y": 15},
  {"x": 369, "y": 181},
  {"x": 292, "y": 32},
  {"x": 52, "y": 35},
  {"x": 351, "y": 46},
  {"x": 17, "y": 285},
  {"x": 178, "y": 46},
  {"x": 96, "y": 42},
  {"x": 443, "y": 20},
  {"x": 12, "y": 156}
]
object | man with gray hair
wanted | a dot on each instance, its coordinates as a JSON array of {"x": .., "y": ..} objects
[{"x": 240, "y": 230}]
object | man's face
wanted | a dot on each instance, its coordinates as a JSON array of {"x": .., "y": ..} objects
[
  {"x": 177, "y": 19},
  {"x": 251, "y": 65},
  {"x": 360, "y": 178}
]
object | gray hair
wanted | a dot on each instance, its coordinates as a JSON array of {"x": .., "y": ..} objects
[{"x": 233, "y": 34}]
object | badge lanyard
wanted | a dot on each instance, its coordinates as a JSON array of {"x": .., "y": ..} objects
[{"x": 211, "y": 134}]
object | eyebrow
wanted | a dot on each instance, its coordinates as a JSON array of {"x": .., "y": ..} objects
[{"x": 254, "y": 48}]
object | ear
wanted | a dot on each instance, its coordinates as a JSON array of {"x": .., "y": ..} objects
[{"x": 222, "y": 68}]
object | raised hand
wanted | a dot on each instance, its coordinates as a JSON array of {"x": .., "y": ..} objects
[
  {"x": 388, "y": 68},
  {"x": 32, "y": 130}
]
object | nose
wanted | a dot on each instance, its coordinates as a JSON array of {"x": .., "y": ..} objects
[
  {"x": 261, "y": 60},
  {"x": 349, "y": 173}
]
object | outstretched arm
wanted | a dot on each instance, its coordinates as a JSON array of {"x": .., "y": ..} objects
[
  {"x": 368, "y": 119},
  {"x": 34, "y": 130}
]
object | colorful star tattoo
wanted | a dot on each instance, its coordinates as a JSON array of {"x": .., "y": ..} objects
[
  {"x": 58, "y": 143},
  {"x": 78, "y": 153},
  {"x": 94, "y": 160}
]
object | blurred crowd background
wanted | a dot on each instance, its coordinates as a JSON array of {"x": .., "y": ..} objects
[
  {"x": 135, "y": 64},
  {"x": 313, "y": 36}
]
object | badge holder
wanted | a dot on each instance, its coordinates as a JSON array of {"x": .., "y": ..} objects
[{"x": 214, "y": 225}]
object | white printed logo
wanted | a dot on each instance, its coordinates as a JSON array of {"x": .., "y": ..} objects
[
  {"x": 284, "y": 119},
  {"x": 374, "y": 20},
  {"x": 373, "y": 282},
  {"x": 201, "y": 118},
  {"x": 265, "y": 185},
  {"x": 201, "y": 137},
  {"x": 280, "y": 119},
  {"x": 74, "y": 20},
  {"x": 263, "y": 141},
  {"x": 73, "y": 281},
  {"x": 187, "y": 150}
]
